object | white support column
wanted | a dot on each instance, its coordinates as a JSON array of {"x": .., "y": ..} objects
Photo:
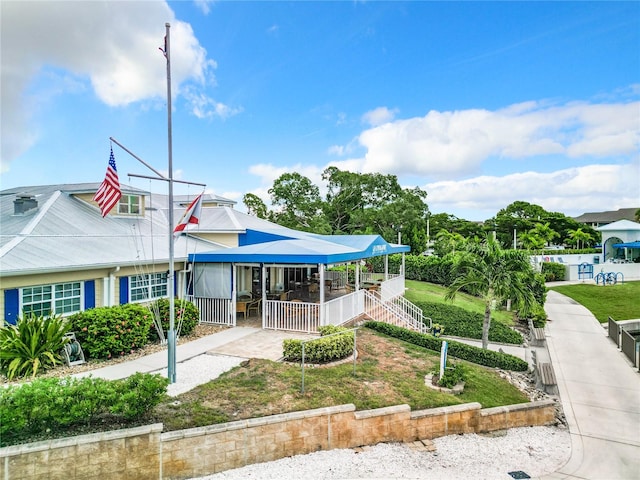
[
  {"x": 321, "y": 280},
  {"x": 264, "y": 293}
]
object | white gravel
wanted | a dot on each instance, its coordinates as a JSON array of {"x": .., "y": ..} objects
[
  {"x": 536, "y": 451},
  {"x": 199, "y": 370}
]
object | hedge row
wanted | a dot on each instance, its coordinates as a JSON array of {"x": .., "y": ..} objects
[
  {"x": 323, "y": 350},
  {"x": 107, "y": 332},
  {"x": 53, "y": 405},
  {"x": 470, "y": 353},
  {"x": 463, "y": 323}
]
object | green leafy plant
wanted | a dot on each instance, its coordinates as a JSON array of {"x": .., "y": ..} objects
[
  {"x": 51, "y": 406},
  {"x": 477, "y": 355},
  {"x": 33, "y": 344},
  {"x": 185, "y": 312},
  {"x": 463, "y": 323},
  {"x": 328, "y": 348},
  {"x": 453, "y": 375},
  {"x": 107, "y": 332}
]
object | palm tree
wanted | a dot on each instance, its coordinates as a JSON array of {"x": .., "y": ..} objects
[
  {"x": 580, "y": 236},
  {"x": 545, "y": 232},
  {"x": 487, "y": 271}
]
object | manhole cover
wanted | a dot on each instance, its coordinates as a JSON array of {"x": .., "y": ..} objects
[{"x": 519, "y": 474}]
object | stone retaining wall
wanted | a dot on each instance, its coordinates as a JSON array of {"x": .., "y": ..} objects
[{"x": 146, "y": 453}]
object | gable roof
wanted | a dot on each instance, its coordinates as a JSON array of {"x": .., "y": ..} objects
[
  {"x": 620, "y": 225},
  {"x": 608, "y": 216},
  {"x": 65, "y": 233}
]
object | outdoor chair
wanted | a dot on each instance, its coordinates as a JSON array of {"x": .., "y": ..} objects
[
  {"x": 254, "y": 306},
  {"x": 241, "y": 307}
]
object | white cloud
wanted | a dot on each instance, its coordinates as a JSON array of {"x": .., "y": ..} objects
[
  {"x": 112, "y": 45},
  {"x": 571, "y": 191},
  {"x": 203, "y": 106},
  {"x": 455, "y": 143},
  {"x": 204, "y": 5},
  {"x": 379, "y": 116}
]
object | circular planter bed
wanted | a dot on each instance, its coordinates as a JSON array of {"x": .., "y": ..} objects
[{"x": 431, "y": 381}]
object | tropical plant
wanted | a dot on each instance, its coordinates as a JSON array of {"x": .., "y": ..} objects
[
  {"x": 34, "y": 343},
  {"x": 580, "y": 236},
  {"x": 495, "y": 275}
]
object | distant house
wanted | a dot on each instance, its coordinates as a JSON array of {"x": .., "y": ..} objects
[
  {"x": 598, "y": 219},
  {"x": 620, "y": 241}
]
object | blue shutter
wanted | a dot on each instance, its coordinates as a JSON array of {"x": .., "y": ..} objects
[
  {"x": 89, "y": 294},
  {"x": 124, "y": 290},
  {"x": 12, "y": 305}
]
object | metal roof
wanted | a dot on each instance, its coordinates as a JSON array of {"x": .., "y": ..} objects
[{"x": 620, "y": 225}]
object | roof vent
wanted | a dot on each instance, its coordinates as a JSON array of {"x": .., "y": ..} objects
[{"x": 23, "y": 203}]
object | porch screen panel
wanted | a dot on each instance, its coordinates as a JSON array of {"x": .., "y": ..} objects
[{"x": 212, "y": 280}]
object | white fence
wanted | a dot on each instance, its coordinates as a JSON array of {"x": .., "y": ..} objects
[
  {"x": 215, "y": 311},
  {"x": 343, "y": 309},
  {"x": 291, "y": 316},
  {"x": 394, "y": 287}
]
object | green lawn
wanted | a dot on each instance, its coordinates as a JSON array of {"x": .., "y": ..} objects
[
  {"x": 620, "y": 301},
  {"x": 430, "y": 292}
]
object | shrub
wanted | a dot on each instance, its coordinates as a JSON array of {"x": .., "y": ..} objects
[
  {"x": 106, "y": 332},
  {"x": 553, "y": 271},
  {"x": 184, "y": 310},
  {"x": 452, "y": 376},
  {"x": 488, "y": 358},
  {"x": 34, "y": 343},
  {"x": 52, "y": 406},
  {"x": 323, "y": 350},
  {"x": 463, "y": 323}
]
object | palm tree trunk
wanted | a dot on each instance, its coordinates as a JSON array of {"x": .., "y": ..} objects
[{"x": 485, "y": 326}]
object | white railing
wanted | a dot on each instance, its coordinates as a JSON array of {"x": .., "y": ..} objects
[
  {"x": 413, "y": 311},
  {"x": 392, "y": 313},
  {"x": 343, "y": 309},
  {"x": 216, "y": 311},
  {"x": 338, "y": 279},
  {"x": 371, "y": 277},
  {"x": 392, "y": 288},
  {"x": 291, "y": 316}
]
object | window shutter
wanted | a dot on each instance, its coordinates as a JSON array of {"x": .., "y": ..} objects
[
  {"x": 89, "y": 294},
  {"x": 124, "y": 290},
  {"x": 11, "y": 305}
]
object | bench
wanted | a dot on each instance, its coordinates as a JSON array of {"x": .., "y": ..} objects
[
  {"x": 547, "y": 378},
  {"x": 537, "y": 337}
]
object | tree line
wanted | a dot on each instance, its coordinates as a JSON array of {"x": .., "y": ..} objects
[{"x": 375, "y": 203}]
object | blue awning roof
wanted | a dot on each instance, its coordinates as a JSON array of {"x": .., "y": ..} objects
[
  {"x": 635, "y": 244},
  {"x": 310, "y": 249}
]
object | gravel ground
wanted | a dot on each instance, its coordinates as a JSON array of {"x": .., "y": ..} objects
[
  {"x": 199, "y": 370},
  {"x": 536, "y": 451}
]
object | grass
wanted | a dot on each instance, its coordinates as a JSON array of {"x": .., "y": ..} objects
[
  {"x": 388, "y": 372},
  {"x": 619, "y": 301},
  {"x": 429, "y": 292}
]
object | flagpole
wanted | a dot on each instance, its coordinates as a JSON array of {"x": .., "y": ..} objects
[{"x": 171, "y": 340}]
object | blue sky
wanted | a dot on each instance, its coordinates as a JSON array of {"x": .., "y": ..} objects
[{"x": 479, "y": 104}]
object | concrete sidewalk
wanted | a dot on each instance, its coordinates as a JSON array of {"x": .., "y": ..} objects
[
  {"x": 157, "y": 361},
  {"x": 600, "y": 394}
]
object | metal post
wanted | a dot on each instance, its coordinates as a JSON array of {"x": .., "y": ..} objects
[{"x": 171, "y": 368}]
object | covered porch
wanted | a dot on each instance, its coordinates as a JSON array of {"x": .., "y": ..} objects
[{"x": 294, "y": 284}]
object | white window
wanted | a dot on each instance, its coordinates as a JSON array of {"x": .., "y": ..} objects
[
  {"x": 129, "y": 205},
  {"x": 58, "y": 299},
  {"x": 147, "y": 287}
]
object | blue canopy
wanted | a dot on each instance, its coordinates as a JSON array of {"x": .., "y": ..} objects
[
  {"x": 309, "y": 249},
  {"x": 635, "y": 244}
]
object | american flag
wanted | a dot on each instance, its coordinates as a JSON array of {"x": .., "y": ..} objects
[{"x": 109, "y": 192}]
